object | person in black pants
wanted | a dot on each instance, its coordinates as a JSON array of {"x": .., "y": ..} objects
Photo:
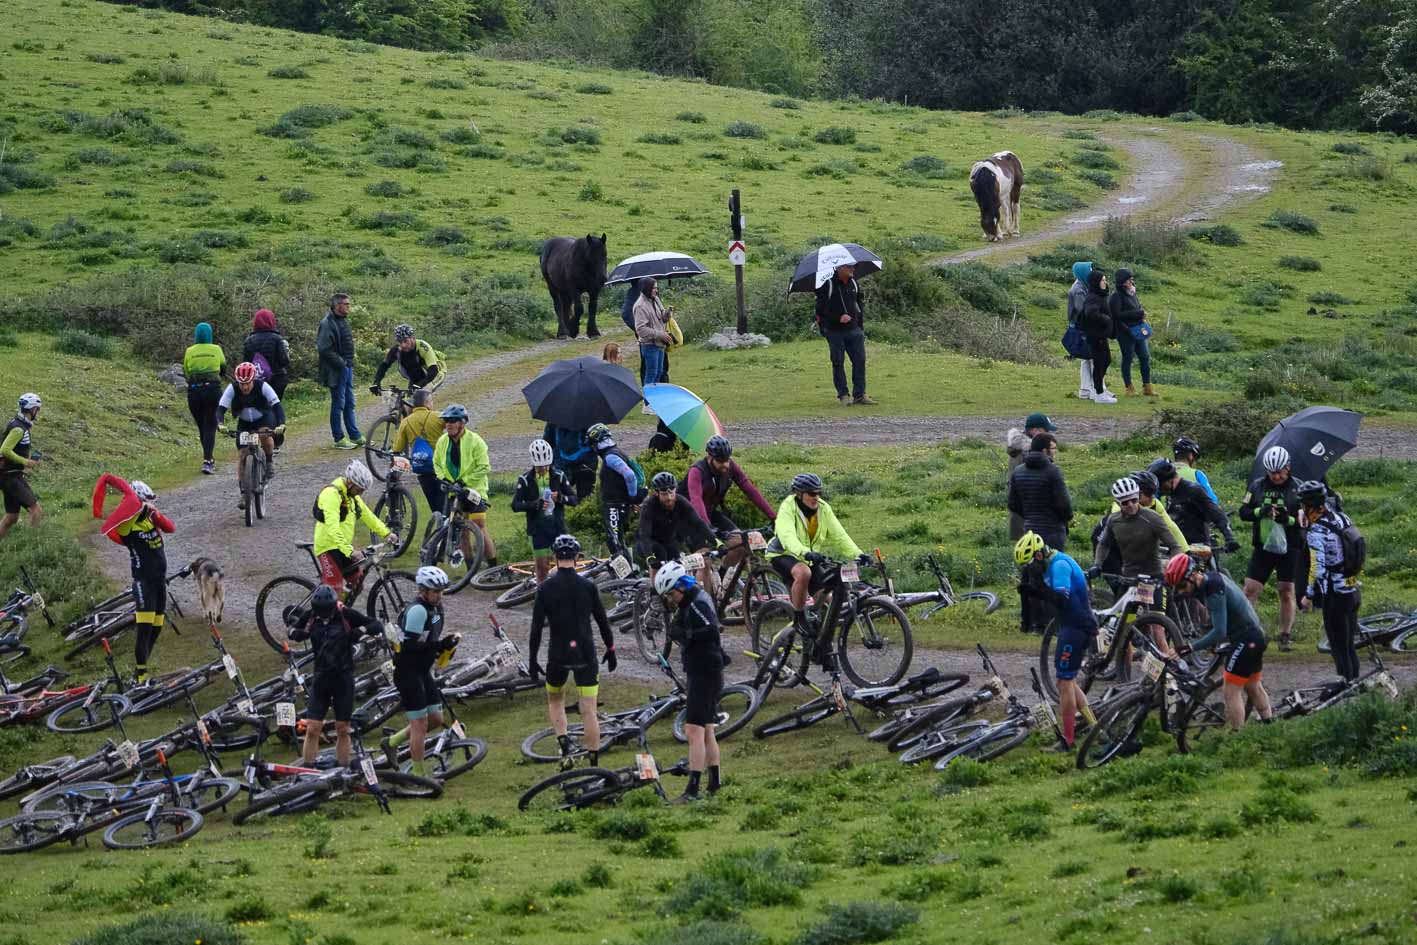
[
  {"x": 1039, "y": 496},
  {"x": 620, "y": 488},
  {"x": 841, "y": 320},
  {"x": 204, "y": 366},
  {"x": 332, "y": 630},
  {"x": 567, "y": 602},
  {"x": 1096, "y": 323},
  {"x": 1333, "y": 581},
  {"x": 695, "y": 628}
]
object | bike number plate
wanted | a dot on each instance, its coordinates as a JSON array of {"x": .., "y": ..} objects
[
  {"x": 620, "y": 566},
  {"x": 692, "y": 562},
  {"x": 229, "y": 662},
  {"x": 645, "y": 766},
  {"x": 1386, "y": 681},
  {"x": 248, "y": 439},
  {"x": 367, "y": 766},
  {"x": 458, "y": 730},
  {"x": 838, "y": 697},
  {"x": 250, "y": 773},
  {"x": 1043, "y": 714},
  {"x": 387, "y": 668},
  {"x": 93, "y": 696},
  {"x": 203, "y": 733},
  {"x": 401, "y": 464},
  {"x": 1152, "y": 667},
  {"x": 850, "y": 573},
  {"x": 128, "y": 753},
  {"x": 246, "y": 706},
  {"x": 285, "y": 714},
  {"x": 1146, "y": 593},
  {"x": 1104, "y": 638},
  {"x": 756, "y": 542},
  {"x": 997, "y": 684},
  {"x": 211, "y": 766}
]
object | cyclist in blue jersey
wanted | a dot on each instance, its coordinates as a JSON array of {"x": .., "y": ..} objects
[
  {"x": 1187, "y": 451},
  {"x": 1049, "y": 575}
]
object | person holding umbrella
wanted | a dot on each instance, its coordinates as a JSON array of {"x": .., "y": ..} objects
[
  {"x": 1272, "y": 504},
  {"x": 841, "y": 320}
]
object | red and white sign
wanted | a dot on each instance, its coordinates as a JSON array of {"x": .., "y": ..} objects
[{"x": 737, "y": 253}]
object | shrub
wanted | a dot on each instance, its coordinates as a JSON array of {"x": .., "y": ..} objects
[
  {"x": 743, "y": 129},
  {"x": 463, "y": 134},
  {"x": 1100, "y": 179},
  {"x": 1291, "y": 221},
  {"x": 166, "y": 928},
  {"x": 1349, "y": 147},
  {"x": 839, "y": 169},
  {"x": 1095, "y": 160},
  {"x": 835, "y": 135},
  {"x": 576, "y": 134},
  {"x": 1366, "y": 169},
  {"x": 1218, "y": 234},
  {"x": 170, "y": 72},
  {"x": 693, "y": 118},
  {"x": 458, "y": 821},
  {"x": 105, "y": 59},
  {"x": 388, "y": 220},
  {"x": 445, "y": 83},
  {"x": 790, "y": 104},
  {"x": 1187, "y": 116},
  {"x": 1056, "y": 200},
  {"x": 659, "y": 137},
  {"x": 1177, "y": 888},
  {"x": 183, "y": 251},
  {"x": 387, "y": 188},
  {"x": 1264, "y": 294},
  {"x": 707, "y": 933},
  {"x": 249, "y": 909},
  {"x": 102, "y": 156},
  {"x": 221, "y": 239},
  {"x": 1329, "y": 298},
  {"x": 18, "y": 177},
  {"x": 1145, "y": 240},
  {"x": 296, "y": 195},
  {"x": 288, "y": 72},
  {"x": 859, "y": 922},
  {"x": 734, "y": 880},
  {"x": 983, "y": 287},
  {"x": 594, "y": 88},
  {"x": 1229, "y": 430},
  {"x": 444, "y": 236},
  {"x": 1371, "y": 733},
  {"x": 78, "y": 342},
  {"x": 968, "y": 773},
  {"x": 591, "y": 192},
  {"x": 1342, "y": 208},
  {"x": 927, "y": 166},
  {"x": 1299, "y": 263},
  {"x": 16, "y": 228},
  {"x": 195, "y": 168}
]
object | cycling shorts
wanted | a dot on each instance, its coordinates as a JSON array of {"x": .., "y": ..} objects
[
  {"x": 1072, "y": 647},
  {"x": 783, "y": 565},
  {"x": 150, "y": 595},
  {"x": 18, "y": 494},
  {"x": 701, "y": 702},
  {"x": 587, "y": 678},
  {"x": 417, "y": 691},
  {"x": 663, "y": 552},
  {"x": 1245, "y": 662},
  {"x": 331, "y": 691},
  {"x": 1287, "y": 568},
  {"x": 336, "y": 567}
]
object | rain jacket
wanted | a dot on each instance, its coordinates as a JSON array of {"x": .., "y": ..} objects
[
  {"x": 338, "y": 509},
  {"x": 474, "y": 466},
  {"x": 1038, "y": 493},
  {"x": 835, "y": 299},
  {"x": 792, "y": 534},
  {"x": 335, "y": 343}
]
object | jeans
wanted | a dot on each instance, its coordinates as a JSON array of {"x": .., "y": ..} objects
[
  {"x": 1132, "y": 348},
  {"x": 342, "y": 406},
  {"x": 1101, "y": 360},
  {"x": 652, "y": 359},
  {"x": 848, "y": 343}
]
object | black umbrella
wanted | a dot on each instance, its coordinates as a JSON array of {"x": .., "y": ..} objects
[
  {"x": 578, "y": 392},
  {"x": 658, "y": 265},
  {"x": 1315, "y": 438},
  {"x": 817, "y": 267}
]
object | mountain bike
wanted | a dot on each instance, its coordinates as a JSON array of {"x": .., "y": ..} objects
[
  {"x": 447, "y": 754},
  {"x": 864, "y": 628},
  {"x": 251, "y": 473},
  {"x": 14, "y": 618},
  {"x": 30, "y": 702},
  {"x": 994, "y": 740},
  {"x": 396, "y": 508},
  {"x": 115, "y": 616},
  {"x": 379, "y": 440},
  {"x": 1309, "y": 700},
  {"x": 577, "y": 789},
  {"x": 951, "y": 723},
  {"x": 944, "y": 595},
  {"x": 443, "y": 544},
  {"x": 524, "y": 590},
  {"x": 502, "y": 672},
  {"x": 284, "y": 603}
]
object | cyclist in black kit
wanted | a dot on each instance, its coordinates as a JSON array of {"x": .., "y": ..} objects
[
  {"x": 695, "y": 629},
  {"x": 669, "y": 526},
  {"x": 621, "y": 488},
  {"x": 332, "y": 630},
  {"x": 1191, "y": 507},
  {"x": 567, "y": 602}
]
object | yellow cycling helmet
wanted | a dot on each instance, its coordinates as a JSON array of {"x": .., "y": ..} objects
[{"x": 1030, "y": 544}]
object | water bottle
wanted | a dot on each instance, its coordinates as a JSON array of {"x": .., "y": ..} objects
[{"x": 547, "y": 506}]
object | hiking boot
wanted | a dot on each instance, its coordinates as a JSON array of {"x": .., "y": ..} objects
[
  {"x": 1149, "y": 391},
  {"x": 208, "y": 467},
  {"x": 345, "y": 443},
  {"x": 1286, "y": 643},
  {"x": 1131, "y": 391},
  {"x": 844, "y": 400},
  {"x": 865, "y": 400}
]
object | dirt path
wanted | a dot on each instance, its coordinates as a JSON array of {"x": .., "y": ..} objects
[{"x": 1156, "y": 185}]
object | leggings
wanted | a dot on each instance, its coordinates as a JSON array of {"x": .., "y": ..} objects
[
  {"x": 1101, "y": 360},
  {"x": 202, "y": 399},
  {"x": 278, "y": 384},
  {"x": 1341, "y": 625},
  {"x": 613, "y": 517}
]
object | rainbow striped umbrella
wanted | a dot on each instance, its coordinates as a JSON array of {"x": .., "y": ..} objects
[{"x": 684, "y": 412}]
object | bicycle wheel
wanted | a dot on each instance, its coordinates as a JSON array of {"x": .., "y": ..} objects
[
  {"x": 518, "y": 594},
  {"x": 137, "y": 831},
  {"x": 274, "y": 607},
  {"x": 405, "y": 784},
  {"x": 942, "y": 741},
  {"x": 377, "y": 442},
  {"x": 59, "y": 797},
  {"x": 651, "y": 625},
  {"x": 460, "y": 575},
  {"x": 1117, "y": 732},
  {"x": 1150, "y": 620},
  {"x": 210, "y": 793},
  {"x": 876, "y": 647},
  {"x": 736, "y": 705},
  {"x": 989, "y": 744},
  {"x": 97, "y": 615},
  {"x": 781, "y": 665},
  {"x": 391, "y": 595},
  {"x": 1405, "y": 641},
  {"x": 111, "y": 630},
  {"x": 397, "y": 510},
  {"x": 618, "y": 596},
  {"x": 499, "y": 577},
  {"x": 247, "y": 479},
  {"x": 542, "y": 746},
  {"x": 34, "y": 775},
  {"x": 569, "y": 790},
  {"x": 81, "y": 715},
  {"x": 1202, "y": 718},
  {"x": 25, "y": 832},
  {"x": 383, "y": 706},
  {"x": 457, "y": 757},
  {"x": 805, "y": 715},
  {"x": 1087, "y": 669},
  {"x": 286, "y": 799},
  {"x": 927, "y": 719},
  {"x": 761, "y": 586}
]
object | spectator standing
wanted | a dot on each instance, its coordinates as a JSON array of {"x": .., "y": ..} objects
[
  {"x": 335, "y": 343},
  {"x": 1016, "y": 443},
  {"x": 841, "y": 320},
  {"x": 1132, "y": 331},
  {"x": 204, "y": 365},
  {"x": 1077, "y": 294},
  {"x": 1039, "y": 496},
  {"x": 1097, "y": 325},
  {"x": 651, "y": 329}
]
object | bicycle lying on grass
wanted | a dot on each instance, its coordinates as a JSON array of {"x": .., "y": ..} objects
[
  {"x": 944, "y": 595},
  {"x": 14, "y": 619},
  {"x": 115, "y": 616}
]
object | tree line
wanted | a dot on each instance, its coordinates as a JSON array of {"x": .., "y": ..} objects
[{"x": 1298, "y": 63}]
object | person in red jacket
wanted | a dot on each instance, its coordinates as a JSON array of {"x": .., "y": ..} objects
[
  {"x": 706, "y": 487},
  {"x": 139, "y": 526}
]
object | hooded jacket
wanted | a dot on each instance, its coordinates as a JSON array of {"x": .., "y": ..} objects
[
  {"x": 1078, "y": 291},
  {"x": 1016, "y": 443},
  {"x": 1124, "y": 307},
  {"x": 1094, "y": 320},
  {"x": 1039, "y": 495},
  {"x": 267, "y": 341}
]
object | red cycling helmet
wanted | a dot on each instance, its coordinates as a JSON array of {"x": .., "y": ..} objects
[
  {"x": 246, "y": 372},
  {"x": 1179, "y": 568}
]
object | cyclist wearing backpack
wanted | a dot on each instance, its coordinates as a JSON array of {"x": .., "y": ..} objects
[
  {"x": 15, "y": 458},
  {"x": 622, "y": 488},
  {"x": 416, "y": 436},
  {"x": 267, "y": 348},
  {"x": 1337, "y": 553},
  {"x": 421, "y": 645},
  {"x": 420, "y": 365},
  {"x": 332, "y": 630},
  {"x": 336, "y": 508},
  {"x": 574, "y": 456},
  {"x": 543, "y": 492}
]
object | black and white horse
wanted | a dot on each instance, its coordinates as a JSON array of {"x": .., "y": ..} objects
[{"x": 996, "y": 183}]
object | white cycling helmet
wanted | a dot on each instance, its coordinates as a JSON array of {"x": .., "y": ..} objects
[
  {"x": 668, "y": 576},
  {"x": 29, "y": 401},
  {"x": 1126, "y": 488},
  {"x": 142, "y": 490},
  {"x": 1275, "y": 458},
  {"x": 357, "y": 474},
  {"x": 541, "y": 454},
  {"x": 435, "y": 579}
]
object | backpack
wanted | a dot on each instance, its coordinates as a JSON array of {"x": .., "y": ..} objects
[
  {"x": 1355, "y": 549},
  {"x": 262, "y": 365},
  {"x": 420, "y": 455},
  {"x": 640, "y": 479},
  {"x": 319, "y": 516}
]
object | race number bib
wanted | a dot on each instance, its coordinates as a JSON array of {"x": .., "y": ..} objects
[
  {"x": 367, "y": 766},
  {"x": 1146, "y": 593},
  {"x": 646, "y": 768},
  {"x": 1152, "y": 667},
  {"x": 128, "y": 753},
  {"x": 838, "y": 697},
  {"x": 203, "y": 732},
  {"x": 620, "y": 566},
  {"x": 1043, "y": 714},
  {"x": 692, "y": 562},
  {"x": 229, "y": 662},
  {"x": 249, "y": 439},
  {"x": 458, "y": 730},
  {"x": 850, "y": 572},
  {"x": 756, "y": 542},
  {"x": 285, "y": 714},
  {"x": 387, "y": 668}
]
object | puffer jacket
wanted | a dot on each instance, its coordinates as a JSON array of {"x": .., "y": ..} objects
[
  {"x": 273, "y": 347},
  {"x": 1124, "y": 307},
  {"x": 1039, "y": 495},
  {"x": 1094, "y": 320}
]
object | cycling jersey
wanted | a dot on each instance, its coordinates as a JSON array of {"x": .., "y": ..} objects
[
  {"x": 695, "y": 628},
  {"x": 333, "y": 638},
  {"x": 463, "y": 461},
  {"x": 142, "y": 535},
  {"x": 566, "y": 602},
  {"x": 1326, "y": 562},
  {"x": 15, "y": 446},
  {"x": 1160, "y": 510},
  {"x": 1065, "y": 577},
  {"x": 1260, "y": 497},
  {"x": 334, "y": 523},
  {"x": 421, "y": 628},
  {"x": 420, "y": 365},
  {"x": 1232, "y": 618},
  {"x": 796, "y": 534},
  {"x": 1194, "y": 512},
  {"x": 260, "y": 407},
  {"x": 1191, "y": 474},
  {"x": 543, "y": 525},
  {"x": 707, "y": 489},
  {"x": 1141, "y": 541},
  {"x": 664, "y": 527}
]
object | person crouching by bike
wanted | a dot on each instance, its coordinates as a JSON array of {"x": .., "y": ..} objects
[
  {"x": 543, "y": 492},
  {"x": 421, "y": 645},
  {"x": 139, "y": 526},
  {"x": 621, "y": 488},
  {"x": 694, "y": 628},
  {"x": 1333, "y": 579},
  {"x": 1232, "y": 621},
  {"x": 1053, "y": 578},
  {"x": 336, "y": 508},
  {"x": 805, "y": 533},
  {"x": 416, "y": 436},
  {"x": 566, "y": 602},
  {"x": 257, "y": 410},
  {"x": 460, "y": 457},
  {"x": 669, "y": 527},
  {"x": 332, "y": 630}
]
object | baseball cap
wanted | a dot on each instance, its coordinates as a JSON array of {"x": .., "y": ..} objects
[{"x": 1039, "y": 420}]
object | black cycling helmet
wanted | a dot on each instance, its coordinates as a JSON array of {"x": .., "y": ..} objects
[
  {"x": 664, "y": 482},
  {"x": 1185, "y": 445},
  {"x": 1147, "y": 481},
  {"x": 565, "y": 547},
  {"x": 324, "y": 600},
  {"x": 718, "y": 447},
  {"x": 1162, "y": 469},
  {"x": 1313, "y": 493},
  {"x": 806, "y": 482}
]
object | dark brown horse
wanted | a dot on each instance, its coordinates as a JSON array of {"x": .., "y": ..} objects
[{"x": 570, "y": 267}]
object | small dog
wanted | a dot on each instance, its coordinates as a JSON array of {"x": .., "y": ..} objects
[{"x": 208, "y": 576}]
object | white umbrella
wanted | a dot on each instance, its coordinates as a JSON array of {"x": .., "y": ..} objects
[{"x": 816, "y": 268}]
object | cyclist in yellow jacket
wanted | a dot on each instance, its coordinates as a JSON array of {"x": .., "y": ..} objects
[
  {"x": 336, "y": 509},
  {"x": 418, "y": 433},
  {"x": 461, "y": 457}
]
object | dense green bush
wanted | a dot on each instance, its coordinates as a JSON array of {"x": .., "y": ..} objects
[
  {"x": 170, "y": 928},
  {"x": 836, "y": 135},
  {"x": 693, "y": 118},
  {"x": 1299, "y": 263},
  {"x": 1291, "y": 221},
  {"x": 1152, "y": 242},
  {"x": 727, "y": 883},
  {"x": 1228, "y": 430},
  {"x": 743, "y": 129},
  {"x": 1218, "y": 234},
  {"x": 859, "y": 922}
]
